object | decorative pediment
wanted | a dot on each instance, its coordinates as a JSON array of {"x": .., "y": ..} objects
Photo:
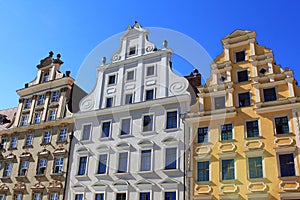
[
  {"x": 55, "y": 186},
  {"x": 144, "y": 184},
  {"x": 169, "y": 183},
  {"x": 169, "y": 140},
  {"x": 103, "y": 148},
  {"x": 44, "y": 153},
  {"x": 25, "y": 155},
  {"x": 120, "y": 184},
  {"x": 83, "y": 150},
  {"x": 38, "y": 187},
  {"x": 60, "y": 151},
  {"x": 237, "y": 33},
  {"x": 4, "y": 188},
  {"x": 11, "y": 157},
  {"x": 99, "y": 185},
  {"x": 123, "y": 146},
  {"x": 49, "y": 60},
  {"x": 79, "y": 187},
  {"x": 146, "y": 143},
  {"x": 19, "y": 187}
]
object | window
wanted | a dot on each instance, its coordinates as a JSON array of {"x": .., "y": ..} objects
[
  {"x": 23, "y": 168},
  {"x": 27, "y": 103},
  {"x": 2, "y": 196},
  {"x": 150, "y": 71},
  {"x": 24, "y": 120},
  {"x": 125, "y": 129},
  {"x": 226, "y": 132},
  {"x": 28, "y": 141},
  {"x": 146, "y": 160},
  {"x": 52, "y": 114},
  {"x": 109, "y": 102},
  {"x": 55, "y": 96},
  {"x": 82, "y": 165},
  {"x": 203, "y": 171},
  {"x": 149, "y": 94},
  {"x": 62, "y": 135},
  {"x": 282, "y": 125},
  {"x": 111, "y": 79},
  {"x": 58, "y": 165},
  {"x": 102, "y": 167},
  {"x": 171, "y": 119},
  {"x": 79, "y": 197},
  {"x": 170, "y": 196},
  {"x": 203, "y": 135},
  {"x": 123, "y": 161},
  {"x": 262, "y": 71},
  {"x": 219, "y": 102},
  {"x": 128, "y": 98},
  {"x": 244, "y": 99},
  {"x": 243, "y": 76},
  {"x": 132, "y": 51},
  {"x": 37, "y": 196},
  {"x": 270, "y": 94},
  {"x": 47, "y": 137},
  {"x": 42, "y": 164},
  {"x": 86, "y": 132},
  {"x": 287, "y": 165},
  {"x": 130, "y": 75},
  {"x": 7, "y": 169},
  {"x": 121, "y": 196},
  {"x": 255, "y": 167},
  {"x": 144, "y": 196},
  {"x": 228, "y": 169},
  {"x": 147, "y": 123},
  {"x": 171, "y": 155},
  {"x": 3, "y": 143},
  {"x": 54, "y": 196},
  {"x": 18, "y": 196},
  {"x": 105, "y": 129},
  {"x": 240, "y": 56},
  {"x": 46, "y": 77},
  {"x": 37, "y": 118},
  {"x": 13, "y": 144},
  {"x": 99, "y": 196},
  {"x": 252, "y": 129},
  {"x": 41, "y": 99}
]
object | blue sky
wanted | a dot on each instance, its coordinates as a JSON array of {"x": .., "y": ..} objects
[{"x": 30, "y": 29}]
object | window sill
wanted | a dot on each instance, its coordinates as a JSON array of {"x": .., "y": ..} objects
[
  {"x": 284, "y": 134},
  {"x": 145, "y": 172},
  {"x": 170, "y": 170},
  {"x": 121, "y": 173},
  {"x": 257, "y": 179},
  {"x": 101, "y": 175},
  {"x": 254, "y": 138},
  {"x": 229, "y": 181},
  {"x": 125, "y": 136},
  {"x": 57, "y": 175},
  {"x": 172, "y": 129},
  {"x": 45, "y": 144},
  {"x": 40, "y": 176},
  {"x": 204, "y": 182},
  {"x": 289, "y": 177},
  {"x": 21, "y": 178},
  {"x": 227, "y": 141},
  {"x": 62, "y": 142},
  {"x": 11, "y": 149},
  {"x": 105, "y": 138},
  {"x": 148, "y": 132},
  {"x": 5, "y": 179},
  {"x": 27, "y": 147},
  {"x": 81, "y": 176}
]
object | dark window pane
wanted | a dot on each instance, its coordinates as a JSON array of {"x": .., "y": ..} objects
[
  {"x": 282, "y": 125},
  {"x": 171, "y": 120},
  {"x": 270, "y": 94},
  {"x": 244, "y": 99},
  {"x": 219, "y": 102},
  {"x": 240, "y": 56},
  {"x": 171, "y": 156},
  {"x": 226, "y": 132},
  {"x": 102, "y": 164},
  {"x": 149, "y": 95},
  {"x": 203, "y": 171},
  {"x": 148, "y": 123},
  {"x": 252, "y": 129},
  {"x": 170, "y": 196},
  {"x": 243, "y": 76},
  {"x": 109, "y": 102},
  {"x": 255, "y": 167},
  {"x": 105, "y": 129},
  {"x": 202, "y": 135},
  {"x": 112, "y": 79},
  {"x": 228, "y": 169},
  {"x": 287, "y": 166}
]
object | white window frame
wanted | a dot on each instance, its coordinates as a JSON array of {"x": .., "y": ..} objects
[
  {"x": 2, "y": 196},
  {"x": 112, "y": 102},
  {"x": 110, "y": 130},
  {"x": 51, "y": 117},
  {"x": 38, "y": 100},
  {"x": 283, "y": 151},
  {"x": 140, "y": 159},
  {"x": 209, "y": 168},
  {"x": 108, "y": 77},
  {"x": 220, "y": 131},
  {"x": 25, "y": 104},
  {"x": 100, "y": 192},
  {"x": 166, "y": 119},
  {"x": 24, "y": 122},
  {"x": 59, "y": 131},
  {"x": 39, "y": 166},
  {"x": 170, "y": 146},
  {"x": 62, "y": 166},
  {"x": 240, "y": 70},
  {"x": 134, "y": 75},
  {"x": 82, "y": 132},
  {"x": 227, "y": 157},
  {"x": 148, "y": 89},
  {"x": 213, "y": 101},
  {"x": 142, "y": 123},
  {"x": 154, "y": 70},
  {"x": 135, "y": 50},
  {"x": 254, "y": 154},
  {"x": 289, "y": 124},
  {"x": 170, "y": 190},
  {"x": 52, "y": 96},
  {"x": 238, "y": 99},
  {"x": 50, "y": 136},
  {"x": 208, "y": 134},
  {"x": 39, "y": 118},
  {"x": 126, "y": 192},
  {"x": 145, "y": 191},
  {"x": 237, "y": 51},
  {"x": 128, "y": 162},
  {"x": 26, "y": 139},
  {"x": 121, "y": 124},
  {"x": 86, "y": 164},
  {"x": 107, "y": 163},
  {"x": 11, "y": 142},
  {"x": 259, "y": 128}
]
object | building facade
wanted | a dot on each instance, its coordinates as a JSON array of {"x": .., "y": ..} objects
[
  {"x": 245, "y": 127},
  {"x": 35, "y": 144},
  {"x": 129, "y": 140}
]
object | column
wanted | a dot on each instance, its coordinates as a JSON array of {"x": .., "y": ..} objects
[{"x": 228, "y": 74}]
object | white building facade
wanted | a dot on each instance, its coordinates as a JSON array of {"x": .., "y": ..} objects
[{"x": 129, "y": 141}]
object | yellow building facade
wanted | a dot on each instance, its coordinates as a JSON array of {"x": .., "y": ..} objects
[{"x": 245, "y": 126}]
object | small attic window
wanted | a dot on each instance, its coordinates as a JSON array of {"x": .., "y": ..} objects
[
  {"x": 45, "y": 76},
  {"x": 262, "y": 71},
  {"x": 240, "y": 56},
  {"x": 132, "y": 51}
]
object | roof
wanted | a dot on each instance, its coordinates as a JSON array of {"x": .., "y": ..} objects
[{"x": 6, "y": 117}]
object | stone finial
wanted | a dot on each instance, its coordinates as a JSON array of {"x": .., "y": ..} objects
[
  {"x": 165, "y": 43},
  {"x": 51, "y": 54},
  {"x": 58, "y": 56},
  {"x": 103, "y": 60}
]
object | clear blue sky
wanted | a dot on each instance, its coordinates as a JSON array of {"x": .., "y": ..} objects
[{"x": 30, "y": 29}]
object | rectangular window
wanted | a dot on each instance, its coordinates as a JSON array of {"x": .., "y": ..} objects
[
  {"x": 3, "y": 144},
  {"x": 146, "y": 160},
  {"x": 55, "y": 96},
  {"x": 42, "y": 164},
  {"x": 27, "y": 103},
  {"x": 41, "y": 99},
  {"x": 52, "y": 114},
  {"x": 62, "y": 135},
  {"x": 19, "y": 196},
  {"x": 37, "y": 196},
  {"x": 123, "y": 161},
  {"x": 99, "y": 196},
  {"x": 219, "y": 102},
  {"x": 287, "y": 165},
  {"x": 125, "y": 127},
  {"x": 13, "y": 144},
  {"x": 128, "y": 98},
  {"x": 228, "y": 169},
  {"x": 170, "y": 196},
  {"x": 130, "y": 75},
  {"x": 23, "y": 168},
  {"x": 202, "y": 135},
  {"x": 86, "y": 132},
  {"x": 171, "y": 119},
  {"x": 7, "y": 169},
  {"x": 144, "y": 196},
  {"x": 203, "y": 171},
  {"x": 121, "y": 196},
  {"x": 150, "y": 71},
  {"x": 147, "y": 123},
  {"x": 111, "y": 79},
  {"x": 82, "y": 165},
  {"x": 105, "y": 129},
  {"x": 132, "y": 51},
  {"x": 102, "y": 167},
  {"x": 79, "y": 197},
  {"x": 28, "y": 141},
  {"x": 270, "y": 94},
  {"x": 54, "y": 196},
  {"x": 252, "y": 129},
  {"x": 244, "y": 99},
  {"x": 240, "y": 56},
  {"x": 47, "y": 137},
  {"x": 2, "y": 196},
  {"x": 109, "y": 102},
  {"x": 149, "y": 94},
  {"x": 24, "y": 120},
  {"x": 226, "y": 132},
  {"x": 171, "y": 156},
  {"x": 282, "y": 125},
  {"x": 45, "y": 77},
  {"x": 255, "y": 167},
  {"x": 58, "y": 165},
  {"x": 243, "y": 76},
  {"x": 37, "y": 118}
]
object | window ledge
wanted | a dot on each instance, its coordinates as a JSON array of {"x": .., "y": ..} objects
[
  {"x": 257, "y": 179},
  {"x": 62, "y": 142},
  {"x": 10, "y": 149},
  {"x": 5, "y": 179},
  {"x": 289, "y": 177},
  {"x": 148, "y": 132},
  {"x": 227, "y": 141},
  {"x": 145, "y": 172},
  {"x": 101, "y": 175},
  {"x": 170, "y": 170},
  {"x": 57, "y": 175},
  {"x": 121, "y": 173},
  {"x": 105, "y": 138},
  {"x": 81, "y": 176},
  {"x": 229, "y": 181},
  {"x": 45, "y": 144},
  {"x": 204, "y": 182},
  {"x": 172, "y": 129},
  {"x": 254, "y": 138},
  {"x": 284, "y": 134},
  {"x": 125, "y": 136},
  {"x": 27, "y": 147}
]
